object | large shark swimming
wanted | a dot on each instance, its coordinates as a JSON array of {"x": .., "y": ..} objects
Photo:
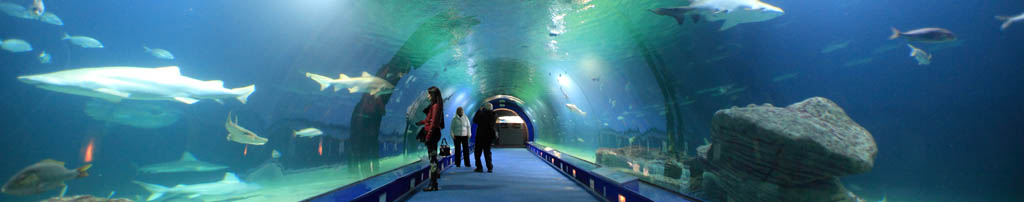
[
  {"x": 364, "y": 83},
  {"x": 187, "y": 163},
  {"x": 733, "y": 12},
  {"x": 230, "y": 185},
  {"x": 136, "y": 83}
]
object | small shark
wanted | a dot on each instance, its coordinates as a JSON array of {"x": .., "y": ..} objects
[
  {"x": 733, "y": 12},
  {"x": 136, "y": 83},
  {"x": 230, "y": 185},
  {"x": 923, "y": 58},
  {"x": 365, "y": 83},
  {"x": 187, "y": 163},
  {"x": 237, "y": 133},
  {"x": 1010, "y": 20},
  {"x": 573, "y": 108}
]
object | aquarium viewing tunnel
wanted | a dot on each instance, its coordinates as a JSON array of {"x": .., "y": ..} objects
[{"x": 592, "y": 100}]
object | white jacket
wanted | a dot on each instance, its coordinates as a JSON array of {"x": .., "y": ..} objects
[{"x": 460, "y": 126}]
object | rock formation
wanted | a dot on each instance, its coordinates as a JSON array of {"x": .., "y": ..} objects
[{"x": 796, "y": 153}]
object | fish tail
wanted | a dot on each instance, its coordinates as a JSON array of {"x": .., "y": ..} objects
[
  {"x": 322, "y": 80},
  {"x": 156, "y": 190},
  {"x": 147, "y": 49},
  {"x": 895, "y": 33},
  {"x": 244, "y": 92},
  {"x": 66, "y": 36},
  {"x": 82, "y": 170},
  {"x": 1006, "y": 22}
]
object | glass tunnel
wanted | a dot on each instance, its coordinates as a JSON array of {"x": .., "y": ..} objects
[{"x": 664, "y": 100}]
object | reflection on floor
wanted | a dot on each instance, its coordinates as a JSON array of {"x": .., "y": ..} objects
[{"x": 518, "y": 176}]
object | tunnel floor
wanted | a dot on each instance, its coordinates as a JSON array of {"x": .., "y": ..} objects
[{"x": 518, "y": 176}]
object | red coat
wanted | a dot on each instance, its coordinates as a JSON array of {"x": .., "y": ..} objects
[{"x": 433, "y": 123}]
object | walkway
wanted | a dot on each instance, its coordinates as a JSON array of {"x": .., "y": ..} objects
[{"x": 518, "y": 176}]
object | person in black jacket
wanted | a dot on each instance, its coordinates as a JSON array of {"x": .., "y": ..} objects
[
  {"x": 432, "y": 126},
  {"x": 485, "y": 133}
]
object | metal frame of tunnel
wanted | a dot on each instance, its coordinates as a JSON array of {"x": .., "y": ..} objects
[{"x": 513, "y": 104}]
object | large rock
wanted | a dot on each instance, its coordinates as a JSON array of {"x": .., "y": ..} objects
[{"x": 797, "y": 153}]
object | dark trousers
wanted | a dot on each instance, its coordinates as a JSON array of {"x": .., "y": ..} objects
[
  {"x": 461, "y": 150},
  {"x": 435, "y": 167},
  {"x": 485, "y": 147}
]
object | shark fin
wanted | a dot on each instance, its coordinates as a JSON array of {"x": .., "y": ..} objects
[
  {"x": 343, "y": 77},
  {"x": 353, "y": 89},
  {"x": 113, "y": 92},
  {"x": 219, "y": 101},
  {"x": 337, "y": 88},
  {"x": 193, "y": 196},
  {"x": 728, "y": 24},
  {"x": 244, "y": 92},
  {"x": 1006, "y": 22},
  {"x": 366, "y": 74},
  {"x": 895, "y": 33},
  {"x": 375, "y": 91},
  {"x": 186, "y": 100},
  {"x": 173, "y": 70},
  {"x": 187, "y": 156},
  {"x": 230, "y": 177}
]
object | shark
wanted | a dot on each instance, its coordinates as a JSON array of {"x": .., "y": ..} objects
[
  {"x": 229, "y": 185},
  {"x": 237, "y": 133},
  {"x": 733, "y": 12},
  {"x": 187, "y": 163},
  {"x": 136, "y": 83},
  {"x": 364, "y": 83}
]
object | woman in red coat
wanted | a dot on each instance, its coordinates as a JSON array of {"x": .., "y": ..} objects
[{"x": 432, "y": 125}]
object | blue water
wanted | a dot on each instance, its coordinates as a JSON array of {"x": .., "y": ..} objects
[{"x": 945, "y": 132}]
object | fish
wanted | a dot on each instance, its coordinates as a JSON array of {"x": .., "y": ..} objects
[
  {"x": 573, "y": 108},
  {"x": 15, "y": 45},
  {"x": 136, "y": 83},
  {"x": 365, "y": 83},
  {"x": 308, "y": 132},
  {"x": 229, "y": 185},
  {"x": 579, "y": 140},
  {"x": 1008, "y": 20},
  {"x": 83, "y": 41},
  {"x": 15, "y": 10},
  {"x": 239, "y": 134},
  {"x": 134, "y": 114},
  {"x": 41, "y": 177},
  {"x": 44, "y": 58},
  {"x": 729, "y": 91},
  {"x": 187, "y": 163},
  {"x": 275, "y": 154},
  {"x": 719, "y": 89},
  {"x": 785, "y": 77},
  {"x": 923, "y": 58},
  {"x": 929, "y": 35},
  {"x": 51, "y": 18},
  {"x": 733, "y": 12},
  {"x": 834, "y": 46},
  {"x": 38, "y": 8},
  {"x": 159, "y": 53}
]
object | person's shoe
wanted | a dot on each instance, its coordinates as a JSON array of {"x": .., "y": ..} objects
[
  {"x": 478, "y": 170},
  {"x": 430, "y": 188},
  {"x": 489, "y": 171}
]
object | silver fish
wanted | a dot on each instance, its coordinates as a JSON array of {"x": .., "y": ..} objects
[
  {"x": 83, "y": 41},
  {"x": 15, "y": 45},
  {"x": 38, "y": 8}
]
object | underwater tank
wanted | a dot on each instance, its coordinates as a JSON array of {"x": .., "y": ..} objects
[{"x": 714, "y": 100}]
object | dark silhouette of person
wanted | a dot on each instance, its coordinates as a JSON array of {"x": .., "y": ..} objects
[
  {"x": 432, "y": 126},
  {"x": 485, "y": 134},
  {"x": 460, "y": 128}
]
